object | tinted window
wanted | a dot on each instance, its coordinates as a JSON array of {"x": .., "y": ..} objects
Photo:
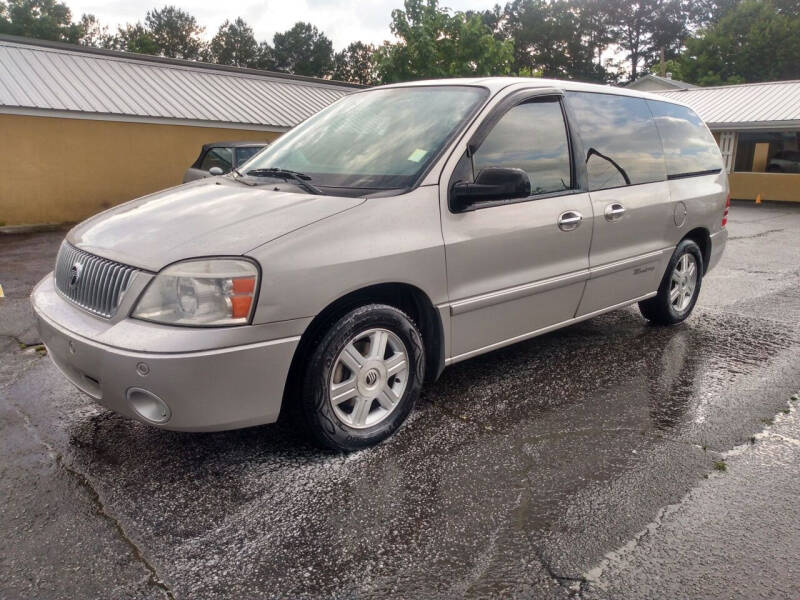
[
  {"x": 246, "y": 153},
  {"x": 217, "y": 157},
  {"x": 620, "y": 140},
  {"x": 531, "y": 137},
  {"x": 688, "y": 145}
]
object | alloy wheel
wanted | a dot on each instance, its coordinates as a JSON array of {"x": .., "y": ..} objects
[
  {"x": 683, "y": 282},
  {"x": 368, "y": 378}
]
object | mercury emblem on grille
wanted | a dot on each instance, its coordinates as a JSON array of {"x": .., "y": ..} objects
[{"x": 75, "y": 273}]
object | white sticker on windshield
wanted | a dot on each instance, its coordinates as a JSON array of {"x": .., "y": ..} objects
[{"x": 417, "y": 155}]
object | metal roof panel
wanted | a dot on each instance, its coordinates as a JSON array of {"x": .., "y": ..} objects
[
  {"x": 746, "y": 104},
  {"x": 59, "y": 77}
]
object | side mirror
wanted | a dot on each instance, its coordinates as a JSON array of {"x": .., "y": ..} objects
[
  {"x": 491, "y": 184},
  {"x": 215, "y": 171}
]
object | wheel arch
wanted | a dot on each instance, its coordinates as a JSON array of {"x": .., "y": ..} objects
[
  {"x": 404, "y": 296},
  {"x": 701, "y": 237}
]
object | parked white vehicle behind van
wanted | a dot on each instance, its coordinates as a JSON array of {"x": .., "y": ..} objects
[{"x": 400, "y": 230}]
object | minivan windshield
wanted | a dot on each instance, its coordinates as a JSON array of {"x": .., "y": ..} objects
[{"x": 370, "y": 141}]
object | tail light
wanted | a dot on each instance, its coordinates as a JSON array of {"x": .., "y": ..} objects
[{"x": 727, "y": 207}]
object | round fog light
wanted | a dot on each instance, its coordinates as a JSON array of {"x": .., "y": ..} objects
[{"x": 148, "y": 406}]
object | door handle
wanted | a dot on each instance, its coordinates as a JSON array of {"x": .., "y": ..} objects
[
  {"x": 567, "y": 221},
  {"x": 614, "y": 211}
]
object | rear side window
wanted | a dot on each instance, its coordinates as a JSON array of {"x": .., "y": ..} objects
[
  {"x": 620, "y": 140},
  {"x": 217, "y": 157},
  {"x": 689, "y": 148},
  {"x": 532, "y": 137}
]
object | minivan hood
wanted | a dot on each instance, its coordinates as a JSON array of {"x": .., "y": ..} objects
[{"x": 212, "y": 217}]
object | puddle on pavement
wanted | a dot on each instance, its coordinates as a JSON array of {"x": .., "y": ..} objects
[{"x": 516, "y": 467}]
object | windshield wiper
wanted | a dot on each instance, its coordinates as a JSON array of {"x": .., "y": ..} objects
[
  {"x": 238, "y": 176},
  {"x": 300, "y": 178}
]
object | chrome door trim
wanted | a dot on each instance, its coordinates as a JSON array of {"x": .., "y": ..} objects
[
  {"x": 626, "y": 263},
  {"x": 528, "y": 289},
  {"x": 520, "y": 291},
  {"x": 525, "y": 336}
]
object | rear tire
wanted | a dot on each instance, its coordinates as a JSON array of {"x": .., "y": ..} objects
[
  {"x": 363, "y": 378},
  {"x": 679, "y": 287}
]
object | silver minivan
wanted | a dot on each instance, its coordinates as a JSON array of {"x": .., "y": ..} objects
[{"x": 400, "y": 230}]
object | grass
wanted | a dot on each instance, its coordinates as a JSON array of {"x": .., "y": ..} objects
[
  {"x": 720, "y": 465},
  {"x": 38, "y": 348},
  {"x": 768, "y": 421}
]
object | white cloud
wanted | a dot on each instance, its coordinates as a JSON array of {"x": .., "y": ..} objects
[{"x": 343, "y": 21}]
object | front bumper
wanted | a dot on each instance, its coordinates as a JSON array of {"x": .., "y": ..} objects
[{"x": 204, "y": 389}]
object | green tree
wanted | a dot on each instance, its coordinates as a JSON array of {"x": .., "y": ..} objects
[
  {"x": 672, "y": 66},
  {"x": 135, "y": 38},
  {"x": 175, "y": 33},
  {"x": 303, "y": 50},
  {"x": 704, "y": 13},
  {"x": 434, "y": 43},
  {"x": 789, "y": 8},
  {"x": 556, "y": 38},
  {"x": 593, "y": 27},
  {"x": 235, "y": 45},
  {"x": 40, "y": 19},
  {"x": 642, "y": 27},
  {"x": 492, "y": 18},
  {"x": 356, "y": 64},
  {"x": 94, "y": 34},
  {"x": 756, "y": 41},
  {"x": 266, "y": 57}
]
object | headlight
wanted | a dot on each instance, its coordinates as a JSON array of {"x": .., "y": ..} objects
[{"x": 210, "y": 292}]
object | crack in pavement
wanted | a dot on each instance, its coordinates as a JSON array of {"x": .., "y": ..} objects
[
  {"x": 755, "y": 235},
  {"x": 17, "y": 373},
  {"x": 153, "y": 578},
  {"x": 593, "y": 577},
  {"x": 573, "y": 584}
]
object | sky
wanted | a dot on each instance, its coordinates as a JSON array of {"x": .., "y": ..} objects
[{"x": 343, "y": 21}]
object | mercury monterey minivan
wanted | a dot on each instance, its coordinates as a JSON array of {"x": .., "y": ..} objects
[{"x": 400, "y": 230}]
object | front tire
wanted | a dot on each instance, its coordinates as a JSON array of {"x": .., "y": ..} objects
[
  {"x": 679, "y": 287},
  {"x": 363, "y": 378}
]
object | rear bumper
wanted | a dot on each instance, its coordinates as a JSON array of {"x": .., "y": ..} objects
[
  {"x": 205, "y": 390},
  {"x": 718, "y": 242}
]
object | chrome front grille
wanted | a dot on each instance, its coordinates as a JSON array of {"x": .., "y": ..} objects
[{"x": 93, "y": 283}]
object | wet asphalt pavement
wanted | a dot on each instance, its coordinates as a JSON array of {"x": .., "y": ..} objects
[{"x": 587, "y": 462}]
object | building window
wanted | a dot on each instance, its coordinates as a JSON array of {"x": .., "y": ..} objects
[{"x": 771, "y": 152}]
